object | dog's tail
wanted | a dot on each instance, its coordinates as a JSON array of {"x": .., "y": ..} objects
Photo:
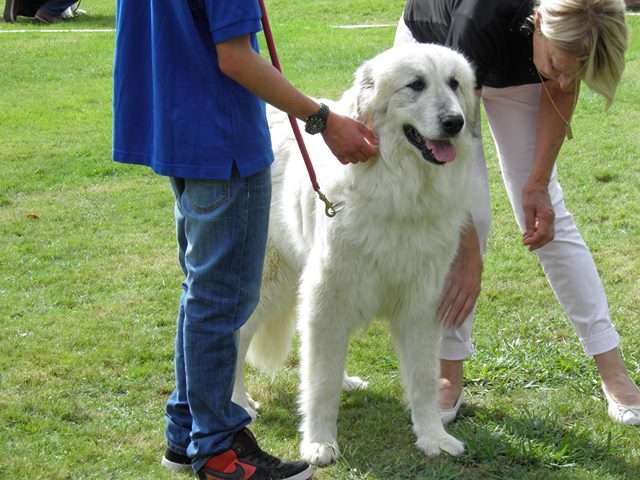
[{"x": 271, "y": 343}]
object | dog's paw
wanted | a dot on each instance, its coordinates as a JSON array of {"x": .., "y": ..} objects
[
  {"x": 249, "y": 405},
  {"x": 253, "y": 405},
  {"x": 443, "y": 442},
  {"x": 319, "y": 454},
  {"x": 252, "y": 413},
  {"x": 350, "y": 384}
]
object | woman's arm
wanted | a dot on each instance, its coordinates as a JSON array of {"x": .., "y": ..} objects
[{"x": 552, "y": 128}]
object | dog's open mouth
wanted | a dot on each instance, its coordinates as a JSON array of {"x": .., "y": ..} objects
[{"x": 437, "y": 152}]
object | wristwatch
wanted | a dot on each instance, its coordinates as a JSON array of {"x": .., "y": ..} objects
[{"x": 317, "y": 122}]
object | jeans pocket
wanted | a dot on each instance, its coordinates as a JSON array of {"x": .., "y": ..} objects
[{"x": 206, "y": 195}]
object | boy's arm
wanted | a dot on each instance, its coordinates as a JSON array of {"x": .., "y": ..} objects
[{"x": 349, "y": 140}]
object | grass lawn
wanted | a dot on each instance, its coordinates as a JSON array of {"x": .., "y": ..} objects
[{"x": 89, "y": 283}]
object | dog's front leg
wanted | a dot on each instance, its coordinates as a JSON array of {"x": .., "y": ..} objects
[
  {"x": 417, "y": 344},
  {"x": 325, "y": 338}
]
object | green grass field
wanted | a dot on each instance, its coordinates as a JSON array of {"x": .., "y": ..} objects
[{"x": 89, "y": 283}]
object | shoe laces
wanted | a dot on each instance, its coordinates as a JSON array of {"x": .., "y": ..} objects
[{"x": 260, "y": 457}]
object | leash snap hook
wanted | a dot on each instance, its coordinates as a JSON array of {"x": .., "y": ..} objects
[{"x": 329, "y": 207}]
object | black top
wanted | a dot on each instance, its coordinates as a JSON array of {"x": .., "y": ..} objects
[{"x": 493, "y": 34}]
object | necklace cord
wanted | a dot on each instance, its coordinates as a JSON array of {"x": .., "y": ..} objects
[{"x": 567, "y": 123}]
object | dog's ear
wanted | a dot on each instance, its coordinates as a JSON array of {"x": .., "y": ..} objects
[
  {"x": 364, "y": 88},
  {"x": 471, "y": 100}
]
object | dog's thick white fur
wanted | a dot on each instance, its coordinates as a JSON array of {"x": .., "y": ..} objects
[{"x": 386, "y": 253}]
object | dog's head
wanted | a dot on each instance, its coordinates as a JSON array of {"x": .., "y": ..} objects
[{"x": 420, "y": 94}]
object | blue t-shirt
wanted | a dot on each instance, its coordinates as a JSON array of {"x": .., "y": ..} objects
[{"x": 173, "y": 109}]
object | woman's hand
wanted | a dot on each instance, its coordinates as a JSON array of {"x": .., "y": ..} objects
[
  {"x": 539, "y": 216},
  {"x": 462, "y": 287}
]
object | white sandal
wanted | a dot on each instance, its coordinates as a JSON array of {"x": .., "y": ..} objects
[
  {"x": 624, "y": 414},
  {"x": 450, "y": 414}
]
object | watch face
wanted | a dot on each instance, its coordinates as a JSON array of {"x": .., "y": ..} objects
[
  {"x": 315, "y": 125},
  {"x": 317, "y": 122}
]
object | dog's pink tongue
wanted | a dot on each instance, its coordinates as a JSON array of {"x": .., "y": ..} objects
[{"x": 443, "y": 151}]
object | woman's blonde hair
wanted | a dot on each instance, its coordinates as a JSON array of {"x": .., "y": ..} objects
[{"x": 593, "y": 30}]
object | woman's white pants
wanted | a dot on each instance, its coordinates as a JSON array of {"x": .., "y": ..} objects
[{"x": 512, "y": 114}]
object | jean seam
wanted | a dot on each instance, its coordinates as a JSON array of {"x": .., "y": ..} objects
[{"x": 245, "y": 196}]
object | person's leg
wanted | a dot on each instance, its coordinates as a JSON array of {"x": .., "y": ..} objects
[
  {"x": 177, "y": 413},
  {"x": 11, "y": 10},
  {"x": 566, "y": 261},
  {"x": 51, "y": 11},
  {"x": 456, "y": 345},
  {"x": 616, "y": 380},
  {"x": 222, "y": 228},
  {"x": 451, "y": 382},
  {"x": 22, "y": 8}
]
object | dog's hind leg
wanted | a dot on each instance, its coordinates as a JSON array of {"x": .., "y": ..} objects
[
  {"x": 351, "y": 384},
  {"x": 266, "y": 337},
  {"x": 240, "y": 395},
  {"x": 416, "y": 336},
  {"x": 273, "y": 321}
]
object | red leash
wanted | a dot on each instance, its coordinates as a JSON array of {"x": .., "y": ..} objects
[{"x": 329, "y": 206}]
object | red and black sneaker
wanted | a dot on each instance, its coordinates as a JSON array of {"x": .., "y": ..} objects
[
  {"x": 175, "y": 462},
  {"x": 245, "y": 460}
]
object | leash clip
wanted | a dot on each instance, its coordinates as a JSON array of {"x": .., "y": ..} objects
[{"x": 330, "y": 208}]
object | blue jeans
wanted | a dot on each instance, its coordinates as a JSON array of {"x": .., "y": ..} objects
[{"x": 221, "y": 230}]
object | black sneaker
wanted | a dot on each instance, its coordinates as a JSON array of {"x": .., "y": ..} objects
[
  {"x": 245, "y": 460},
  {"x": 175, "y": 462}
]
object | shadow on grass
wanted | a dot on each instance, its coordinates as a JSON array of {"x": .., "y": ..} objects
[
  {"x": 93, "y": 21},
  {"x": 539, "y": 441},
  {"x": 376, "y": 441}
]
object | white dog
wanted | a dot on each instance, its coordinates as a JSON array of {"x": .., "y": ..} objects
[{"x": 386, "y": 253}]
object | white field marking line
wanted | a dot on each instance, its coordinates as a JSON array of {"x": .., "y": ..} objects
[
  {"x": 110, "y": 30},
  {"x": 94, "y": 30},
  {"x": 379, "y": 25},
  {"x": 101, "y": 30}
]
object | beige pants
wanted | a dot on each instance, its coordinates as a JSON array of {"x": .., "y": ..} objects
[{"x": 512, "y": 114}]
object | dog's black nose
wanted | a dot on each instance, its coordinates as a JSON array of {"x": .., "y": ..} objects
[{"x": 452, "y": 124}]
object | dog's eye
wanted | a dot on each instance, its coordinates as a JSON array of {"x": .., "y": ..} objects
[
  {"x": 418, "y": 85},
  {"x": 454, "y": 84}
]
